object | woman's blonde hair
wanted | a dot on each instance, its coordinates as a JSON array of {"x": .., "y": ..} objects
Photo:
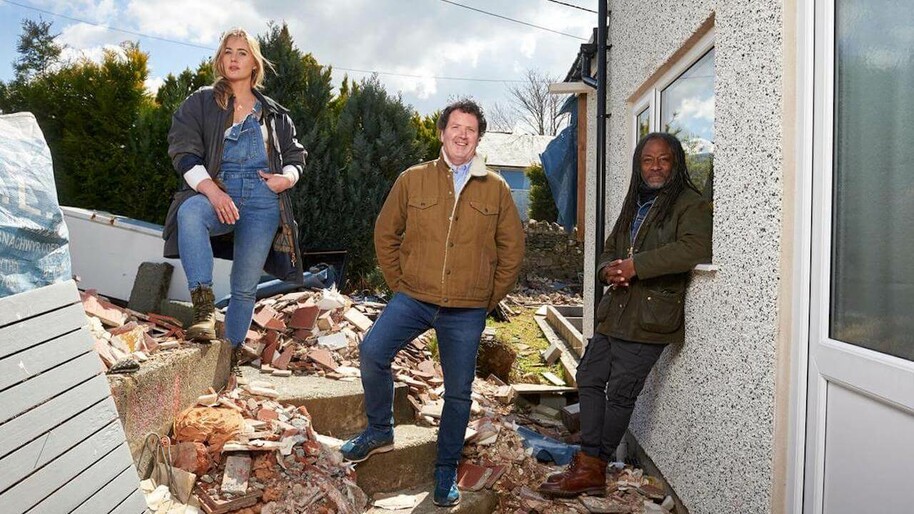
[{"x": 222, "y": 87}]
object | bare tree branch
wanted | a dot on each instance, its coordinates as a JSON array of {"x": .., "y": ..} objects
[{"x": 530, "y": 103}]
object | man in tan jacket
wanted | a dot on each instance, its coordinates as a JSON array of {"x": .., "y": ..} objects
[{"x": 450, "y": 244}]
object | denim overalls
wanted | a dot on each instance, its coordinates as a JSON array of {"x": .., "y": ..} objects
[{"x": 243, "y": 155}]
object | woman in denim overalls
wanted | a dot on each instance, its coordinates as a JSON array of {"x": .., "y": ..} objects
[{"x": 241, "y": 199}]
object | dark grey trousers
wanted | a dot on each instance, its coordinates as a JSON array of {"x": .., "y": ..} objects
[{"x": 610, "y": 377}]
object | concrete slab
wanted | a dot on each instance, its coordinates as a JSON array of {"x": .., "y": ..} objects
[
  {"x": 337, "y": 408},
  {"x": 150, "y": 286},
  {"x": 411, "y": 462},
  {"x": 169, "y": 382},
  {"x": 482, "y": 502}
]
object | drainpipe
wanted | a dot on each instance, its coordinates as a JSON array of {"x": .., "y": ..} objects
[{"x": 600, "y": 228}]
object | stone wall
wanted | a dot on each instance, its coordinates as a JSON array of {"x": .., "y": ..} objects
[{"x": 552, "y": 253}]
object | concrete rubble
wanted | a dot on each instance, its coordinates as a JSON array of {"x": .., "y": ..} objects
[
  {"x": 124, "y": 339},
  {"x": 250, "y": 454}
]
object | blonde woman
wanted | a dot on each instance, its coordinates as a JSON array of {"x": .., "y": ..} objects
[{"x": 236, "y": 153}]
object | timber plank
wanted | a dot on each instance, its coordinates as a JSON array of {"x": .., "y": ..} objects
[
  {"x": 22, "y": 397},
  {"x": 29, "y": 363},
  {"x": 109, "y": 497},
  {"x": 34, "y": 331},
  {"x": 46, "y": 416},
  {"x": 90, "y": 482},
  {"x": 39, "y": 485},
  {"x": 34, "y": 455},
  {"x": 37, "y": 301},
  {"x": 135, "y": 503}
]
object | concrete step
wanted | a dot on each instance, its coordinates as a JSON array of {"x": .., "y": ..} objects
[
  {"x": 482, "y": 502},
  {"x": 337, "y": 408},
  {"x": 411, "y": 463}
]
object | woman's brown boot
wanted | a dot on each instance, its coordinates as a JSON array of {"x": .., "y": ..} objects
[{"x": 204, "y": 327}]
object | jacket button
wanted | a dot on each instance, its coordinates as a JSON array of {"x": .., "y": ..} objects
[
  {"x": 445, "y": 300},
  {"x": 422, "y": 204},
  {"x": 451, "y": 245},
  {"x": 456, "y": 218},
  {"x": 448, "y": 272},
  {"x": 648, "y": 298}
]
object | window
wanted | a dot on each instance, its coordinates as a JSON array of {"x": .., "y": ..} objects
[
  {"x": 681, "y": 102},
  {"x": 873, "y": 187}
]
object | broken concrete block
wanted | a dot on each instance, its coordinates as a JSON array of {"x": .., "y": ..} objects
[
  {"x": 323, "y": 358},
  {"x": 571, "y": 417},
  {"x": 596, "y": 505},
  {"x": 333, "y": 341},
  {"x": 266, "y": 317},
  {"x": 359, "y": 320},
  {"x": 506, "y": 394},
  {"x": 553, "y": 378},
  {"x": 150, "y": 286},
  {"x": 237, "y": 473},
  {"x": 546, "y": 411},
  {"x": 282, "y": 373},
  {"x": 552, "y": 354}
]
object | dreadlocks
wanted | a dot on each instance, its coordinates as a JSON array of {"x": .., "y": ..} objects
[{"x": 679, "y": 180}]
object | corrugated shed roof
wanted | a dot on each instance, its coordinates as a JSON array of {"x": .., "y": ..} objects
[{"x": 514, "y": 150}]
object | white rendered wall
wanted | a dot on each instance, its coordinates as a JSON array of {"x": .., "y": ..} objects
[
  {"x": 107, "y": 250},
  {"x": 706, "y": 417}
]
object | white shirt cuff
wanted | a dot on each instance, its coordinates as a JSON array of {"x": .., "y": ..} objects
[
  {"x": 195, "y": 175},
  {"x": 290, "y": 171}
]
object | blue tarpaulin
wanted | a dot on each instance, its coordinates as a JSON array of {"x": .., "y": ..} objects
[
  {"x": 560, "y": 164},
  {"x": 546, "y": 448}
]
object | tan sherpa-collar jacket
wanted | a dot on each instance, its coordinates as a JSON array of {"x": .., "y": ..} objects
[{"x": 451, "y": 251}]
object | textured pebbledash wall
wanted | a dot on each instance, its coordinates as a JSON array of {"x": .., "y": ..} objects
[{"x": 706, "y": 416}]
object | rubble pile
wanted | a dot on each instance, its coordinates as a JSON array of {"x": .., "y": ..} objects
[
  {"x": 495, "y": 457},
  {"x": 535, "y": 291},
  {"x": 319, "y": 333},
  {"x": 250, "y": 454},
  {"x": 125, "y": 338}
]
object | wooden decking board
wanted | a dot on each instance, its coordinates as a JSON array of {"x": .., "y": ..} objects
[
  {"x": 112, "y": 493},
  {"x": 32, "y": 332},
  {"x": 62, "y": 447},
  {"x": 39, "y": 485},
  {"x": 37, "y": 301},
  {"x": 135, "y": 503},
  {"x": 20, "y": 398},
  {"x": 24, "y": 365},
  {"x": 19, "y": 431},
  {"x": 89, "y": 482},
  {"x": 36, "y": 454}
]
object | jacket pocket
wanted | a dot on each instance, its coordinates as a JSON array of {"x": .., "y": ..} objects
[
  {"x": 603, "y": 309},
  {"x": 420, "y": 212},
  {"x": 661, "y": 311}
]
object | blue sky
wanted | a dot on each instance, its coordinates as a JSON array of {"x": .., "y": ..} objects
[{"x": 428, "y": 38}]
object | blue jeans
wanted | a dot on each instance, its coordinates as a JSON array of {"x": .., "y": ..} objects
[
  {"x": 258, "y": 206},
  {"x": 458, "y": 331}
]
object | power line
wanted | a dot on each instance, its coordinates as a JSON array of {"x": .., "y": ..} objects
[
  {"x": 108, "y": 27},
  {"x": 574, "y": 6},
  {"x": 513, "y": 20},
  {"x": 211, "y": 49}
]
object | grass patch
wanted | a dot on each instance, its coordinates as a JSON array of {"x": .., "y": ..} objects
[{"x": 524, "y": 335}]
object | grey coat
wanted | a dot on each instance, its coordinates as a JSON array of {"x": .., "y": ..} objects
[{"x": 196, "y": 137}]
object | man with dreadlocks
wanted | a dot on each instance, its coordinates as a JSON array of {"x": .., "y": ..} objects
[{"x": 663, "y": 231}]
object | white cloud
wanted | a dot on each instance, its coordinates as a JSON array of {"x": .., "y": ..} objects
[
  {"x": 695, "y": 107},
  {"x": 152, "y": 85},
  {"x": 199, "y": 22}
]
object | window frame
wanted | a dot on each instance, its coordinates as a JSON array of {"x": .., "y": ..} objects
[{"x": 651, "y": 98}]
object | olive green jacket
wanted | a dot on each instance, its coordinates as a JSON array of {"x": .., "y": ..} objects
[{"x": 652, "y": 308}]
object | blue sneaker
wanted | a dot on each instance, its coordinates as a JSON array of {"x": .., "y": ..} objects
[
  {"x": 446, "y": 493},
  {"x": 367, "y": 444}
]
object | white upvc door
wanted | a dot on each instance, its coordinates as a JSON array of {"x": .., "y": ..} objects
[{"x": 859, "y": 446}]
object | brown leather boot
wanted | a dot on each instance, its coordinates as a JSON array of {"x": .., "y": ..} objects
[
  {"x": 585, "y": 474},
  {"x": 204, "y": 327}
]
